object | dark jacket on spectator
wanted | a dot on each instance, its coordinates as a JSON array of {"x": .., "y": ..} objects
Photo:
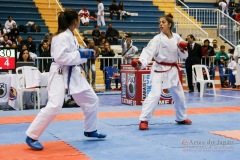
[{"x": 106, "y": 62}]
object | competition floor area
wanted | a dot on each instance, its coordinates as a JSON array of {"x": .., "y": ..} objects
[{"x": 214, "y": 134}]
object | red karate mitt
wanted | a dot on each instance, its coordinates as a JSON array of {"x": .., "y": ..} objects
[
  {"x": 136, "y": 63},
  {"x": 182, "y": 46}
]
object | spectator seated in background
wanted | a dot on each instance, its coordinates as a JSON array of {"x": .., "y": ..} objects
[
  {"x": 14, "y": 45},
  {"x": 122, "y": 14},
  {"x": 84, "y": 16},
  {"x": 7, "y": 45},
  {"x": 96, "y": 35},
  {"x": 2, "y": 32},
  {"x": 85, "y": 40},
  {"x": 19, "y": 42},
  {"x": 222, "y": 61},
  {"x": 102, "y": 36},
  {"x": 24, "y": 56},
  {"x": 6, "y": 41},
  {"x": 101, "y": 43},
  {"x": 48, "y": 39},
  {"x": 112, "y": 35},
  {"x": 9, "y": 24},
  {"x": 31, "y": 45},
  {"x": 13, "y": 33},
  {"x": 113, "y": 9},
  {"x": 45, "y": 52},
  {"x": 24, "y": 47},
  {"x": 222, "y": 57}
]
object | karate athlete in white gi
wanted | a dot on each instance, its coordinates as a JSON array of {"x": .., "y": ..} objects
[
  {"x": 164, "y": 73},
  {"x": 67, "y": 55},
  {"x": 236, "y": 57},
  {"x": 100, "y": 14}
]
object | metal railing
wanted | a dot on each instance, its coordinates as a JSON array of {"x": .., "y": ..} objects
[
  {"x": 185, "y": 26},
  {"x": 227, "y": 28},
  {"x": 58, "y": 6},
  {"x": 115, "y": 61},
  {"x": 42, "y": 62},
  {"x": 182, "y": 4}
]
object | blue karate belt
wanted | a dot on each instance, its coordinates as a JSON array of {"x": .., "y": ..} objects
[{"x": 70, "y": 74}]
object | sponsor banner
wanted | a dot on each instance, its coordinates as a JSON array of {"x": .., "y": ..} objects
[
  {"x": 124, "y": 86},
  {"x": 129, "y": 101},
  {"x": 166, "y": 97},
  {"x": 131, "y": 85},
  {"x": 3, "y": 93},
  {"x": 138, "y": 86},
  {"x": 4, "y": 88},
  {"x": 146, "y": 86}
]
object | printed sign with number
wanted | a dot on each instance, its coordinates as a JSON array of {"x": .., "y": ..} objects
[{"x": 8, "y": 58}]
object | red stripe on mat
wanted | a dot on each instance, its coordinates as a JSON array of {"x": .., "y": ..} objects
[
  {"x": 121, "y": 114},
  {"x": 235, "y": 134},
  {"x": 57, "y": 150}
]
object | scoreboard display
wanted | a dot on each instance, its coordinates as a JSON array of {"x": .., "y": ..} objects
[{"x": 8, "y": 58}]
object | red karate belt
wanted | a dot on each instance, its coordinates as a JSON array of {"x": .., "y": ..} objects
[{"x": 167, "y": 64}]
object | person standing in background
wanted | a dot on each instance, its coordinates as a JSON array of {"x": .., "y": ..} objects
[
  {"x": 194, "y": 57},
  {"x": 100, "y": 14},
  {"x": 90, "y": 65},
  {"x": 128, "y": 50},
  {"x": 227, "y": 7},
  {"x": 223, "y": 6},
  {"x": 215, "y": 46}
]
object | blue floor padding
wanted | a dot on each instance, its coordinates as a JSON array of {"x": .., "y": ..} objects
[
  {"x": 164, "y": 141},
  {"x": 15, "y": 134}
]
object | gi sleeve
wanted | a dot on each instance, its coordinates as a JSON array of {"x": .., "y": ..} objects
[
  {"x": 62, "y": 54},
  {"x": 148, "y": 52}
]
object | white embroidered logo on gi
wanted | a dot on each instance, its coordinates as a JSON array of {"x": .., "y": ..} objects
[
  {"x": 131, "y": 86},
  {"x": 13, "y": 94},
  {"x": 3, "y": 90}
]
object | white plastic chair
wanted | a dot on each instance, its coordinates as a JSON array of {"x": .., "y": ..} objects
[
  {"x": 199, "y": 78},
  {"x": 28, "y": 80}
]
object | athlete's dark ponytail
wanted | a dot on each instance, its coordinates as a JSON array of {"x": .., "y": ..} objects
[{"x": 66, "y": 19}]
